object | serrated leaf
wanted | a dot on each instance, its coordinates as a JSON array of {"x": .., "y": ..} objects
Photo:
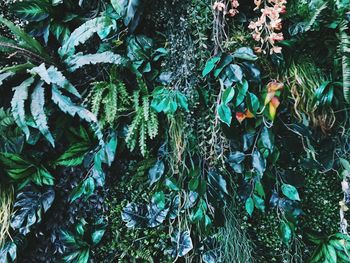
[
  {"x": 79, "y": 60},
  {"x": 17, "y": 105},
  {"x": 38, "y": 113},
  {"x": 100, "y": 25}
]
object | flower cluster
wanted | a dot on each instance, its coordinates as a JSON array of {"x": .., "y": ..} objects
[
  {"x": 221, "y": 7},
  {"x": 266, "y": 30}
]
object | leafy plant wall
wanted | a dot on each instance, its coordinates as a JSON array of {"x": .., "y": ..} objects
[{"x": 174, "y": 131}]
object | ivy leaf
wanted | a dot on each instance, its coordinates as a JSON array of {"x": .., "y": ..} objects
[
  {"x": 245, "y": 53},
  {"x": 242, "y": 91},
  {"x": 29, "y": 208},
  {"x": 259, "y": 202},
  {"x": 224, "y": 61},
  {"x": 266, "y": 138},
  {"x": 156, "y": 172},
  {"x": 134, "y": 215},
  {"x": 210, "y": 65},
  {"x": 249, "y": 206},
  {"x": 17, "y": 105},
  {"x": 233, "y": 73},
  {"x": 224, "y": 113},
  {"x": 253, "y": 103},
  {"x": 235, "y": 160},
  {"x": 291, "y": 192},
  {"x": 228, "y": 95},
  {"x": 38, "y": 113},
  {"x": 217, "y": 185},
  {"x": 259, "y": 162}
]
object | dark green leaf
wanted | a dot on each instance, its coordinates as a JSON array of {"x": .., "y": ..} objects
[
  {"x": 249, "y": 206},
  {"x": 291, "y": 192},
  {"x": 224, "y": 113},
  {"x": 210, "y": 65}
]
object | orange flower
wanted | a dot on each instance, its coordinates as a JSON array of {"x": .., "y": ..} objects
[
  {"x": 274, "y": 103},
  {"x": 240, "y": 116},
  {"x": 272, "y": 87}
]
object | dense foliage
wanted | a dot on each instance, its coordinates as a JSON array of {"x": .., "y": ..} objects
[{"x": 174, "y": 131}]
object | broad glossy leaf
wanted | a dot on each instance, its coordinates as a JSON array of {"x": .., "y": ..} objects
[
  {"x": 242, "y": 91},
  {"x": 259, "y": 162},
  {"x": 74, "y": 155},
  {"x": 291, "y": 192},
  {"x": 29, "y": 208},
  {"x": 156, "y": 215},
  {"x": 249, "y": 206},
  {"x": 231, "y": 74},
  {"x": 4, "y": 76},
  {"x": 224, "y": 61},
  {"x": 210, "y": 65},
  {"x": 217, "y": 185},
  {"x": 228, "y": 95},
  {"x": 135, "y": 215},
  {"x": 156, "y": 172},
  {"x": 8, "y": 252},
  {"x": 252, "y": 102},
  {"x": 224, "y": 113},
  {"x": 245, "y": 53},
  {"x": 285, "y": 232},
  {"x": 33, "y": 10},
  {"x": 181, "y": 243}
]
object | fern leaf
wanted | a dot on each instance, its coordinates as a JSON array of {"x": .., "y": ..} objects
[
  {"x": 67, "y": 106},
  {"x": 100, "y": 25},
  {"x": 314, "y": 17},
  {"x": 145, "y": 105},
  {"x": 17, "y": 105},
  {"x": 345, "y": 50},
  {"x": 153, "y": 124},
  {"x": 53, "y": 76},
  {"x": 4, "y": 76},
  {"x": 79, "y": 60},
  {"x": 123, "y": 93},
  {"x": 96, "y": 97},
  {"x": 142, "y": 138},
  {"x": 37, "y": 110},
  {"x": 111, "y": 105}
]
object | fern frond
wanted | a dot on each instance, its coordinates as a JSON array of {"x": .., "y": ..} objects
[
  {"x": 314, "y": 17},
  {"x": 345, "y": 53},
  {"x": 17, "y": 105},
  {"x": 38, "y": 113},
  {"x": 152, "y": 125},
  {"x": 145, "y": 106},
  {"x": 143, "y": 138},
  {"x": 111, "y": 104},
  {"x": 96, "y": 96}
]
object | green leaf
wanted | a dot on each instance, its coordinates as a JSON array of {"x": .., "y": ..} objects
[
  {"x": 259, "y": 202},
  {"x": 29, "y": 208},
  {"x": 228, "y": 95},
  {"x": 74, "y": 155},
  {"x": 259, "y": 162},
  {"x": 8, "y": 252},
  {"x": 33, "y": 10},
  {"x": 291, "y": 192},
  {"x": 331, "y": 254},
  {"x": 224, "y": 113},
  {"x": 242, "y": 91},
  {"x": 245, "y": 53},
  {"x": 100, "y": 25},
  {"x": 38, "y": 113},
  {"x": 285, "y": 232},
  {"x": 249, "y": 206},
  {"x": 17, "y": 105},
  {"x": 259, "y": 189},
  {"x": 159, "y": 199},
  {"x": 253, "y": 103},
  {"x": 26, "y": 40},
  {"x": 97, "y": 236},
  {"x": 171, "y": 185},
  {"x": 345, "y": 164},
  {"x": 4, "y": 76},
  {"x": 210, "y": 65},
  {"x": 224, "y": 61},
  {"x": 156, "y": 172},
  {"x": 79, "y": 60}
]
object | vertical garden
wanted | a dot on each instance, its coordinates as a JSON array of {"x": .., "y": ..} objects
[{"x": 212, "y": 131}]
